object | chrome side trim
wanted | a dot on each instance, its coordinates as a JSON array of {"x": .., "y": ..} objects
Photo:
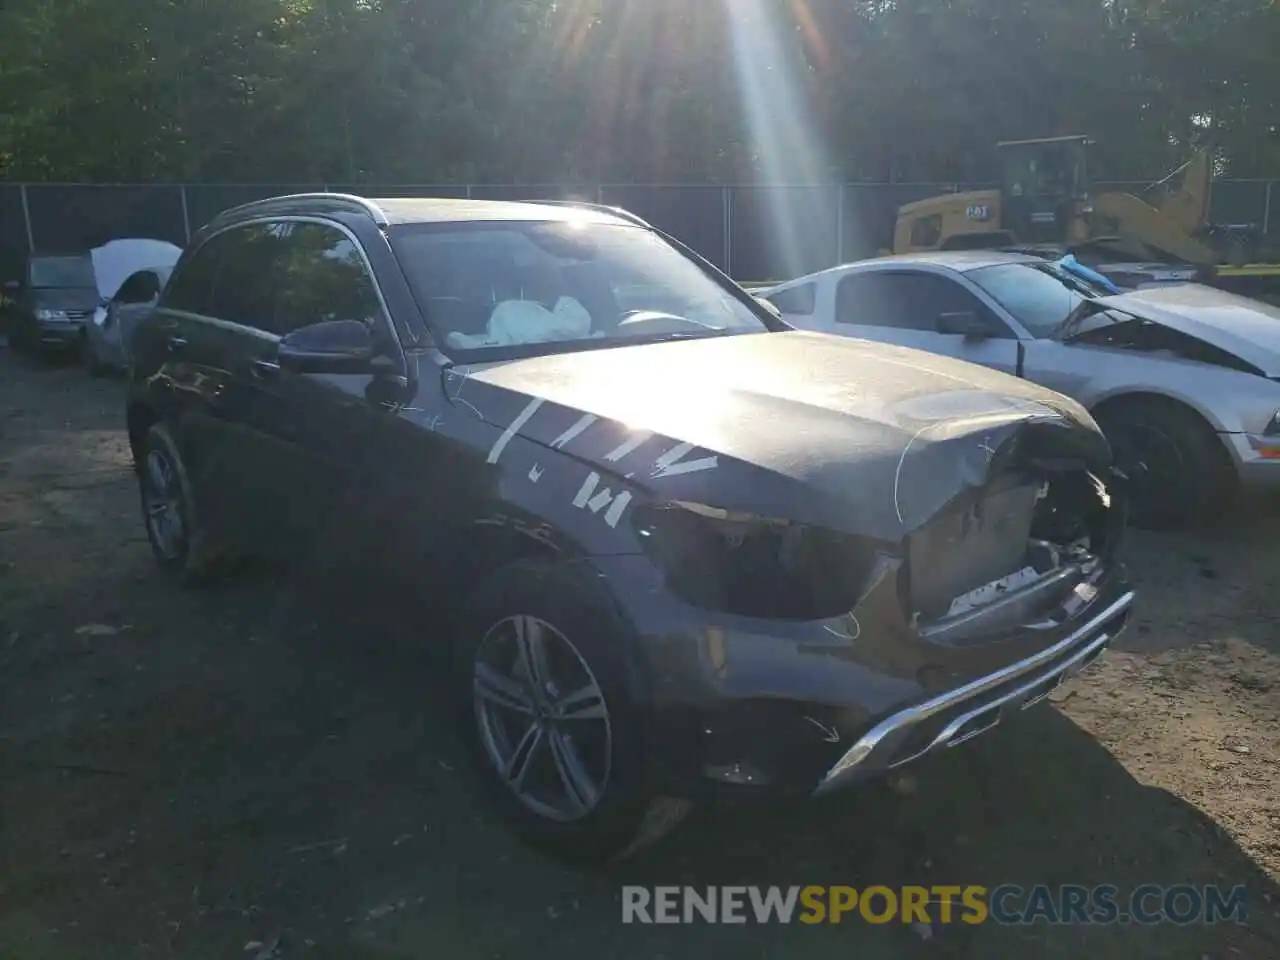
[
  {"x": 903, "y": 720},
  {"x": 951, "y": 736}
]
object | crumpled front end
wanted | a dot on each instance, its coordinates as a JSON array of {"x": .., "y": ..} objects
[
  {"x": 824, "y": 656},
  {"x": 818, "y": 540}
]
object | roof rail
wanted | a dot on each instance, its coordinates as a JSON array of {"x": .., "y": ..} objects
[
  {"x": 598, "y": 207},
  {"x": 346, "y": 200}
]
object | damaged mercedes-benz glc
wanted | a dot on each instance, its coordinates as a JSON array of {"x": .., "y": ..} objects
[{"x": 692, "y": 550}]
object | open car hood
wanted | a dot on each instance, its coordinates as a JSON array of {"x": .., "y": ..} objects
[
  {"x": 1248, "y": 329},
  {"x": 113, "y": 262},
  {"x": 847, "y": 434}
]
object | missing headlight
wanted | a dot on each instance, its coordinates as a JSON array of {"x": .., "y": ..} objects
[{"x": 754, "y": 566}]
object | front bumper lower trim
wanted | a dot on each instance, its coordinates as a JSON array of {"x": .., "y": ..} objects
[{"x": 886, "y": 735}]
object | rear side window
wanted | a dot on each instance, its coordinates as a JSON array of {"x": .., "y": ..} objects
[
  {"x": 244, "y": 289},
  {"x": 795, "y": 300},
  {"x": 192, "y": 282}
]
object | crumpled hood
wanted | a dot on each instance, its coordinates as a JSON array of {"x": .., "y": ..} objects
[
  {"x": 850, "y": 434},
  {"x": 1249, "y": 329}
]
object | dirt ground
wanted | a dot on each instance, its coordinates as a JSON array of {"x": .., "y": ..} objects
[{"x": 257, "y": 770}]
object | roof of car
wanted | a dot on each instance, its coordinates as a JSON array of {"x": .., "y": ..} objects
[
  {"x": 963, "y": 261},
  {"x": 406, "y": 210},
  {"x": 447, "y": 210}
]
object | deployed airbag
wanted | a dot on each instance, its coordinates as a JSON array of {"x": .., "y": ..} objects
[{"x": 515, "y": 322}]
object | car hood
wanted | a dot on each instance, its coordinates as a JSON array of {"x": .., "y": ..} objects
[
  {"x": 1249, "y": 329},
  {"x": 113, "y": 262},
  {"x": 849, "y": 434}
]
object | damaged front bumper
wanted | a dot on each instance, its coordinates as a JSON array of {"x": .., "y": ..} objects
[
  {"x": 959, "y": 715},
  {"x": 760, "y": 706},
  {"x": 897, "y": 649}
]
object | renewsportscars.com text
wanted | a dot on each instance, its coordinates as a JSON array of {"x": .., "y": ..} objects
[{"x": 1008, "y": 904}]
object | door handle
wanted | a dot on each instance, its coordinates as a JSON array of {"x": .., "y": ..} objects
[{"x": 265, "y": 368}]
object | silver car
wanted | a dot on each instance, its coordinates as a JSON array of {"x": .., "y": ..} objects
[
  {"x": 109, "y": 335},
  {"x": 1184, "y": 379}
]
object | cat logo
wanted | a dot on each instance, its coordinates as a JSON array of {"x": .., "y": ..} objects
[{"x": 977, "y": 211}]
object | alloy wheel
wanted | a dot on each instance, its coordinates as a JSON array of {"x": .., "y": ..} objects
[
  {"x": 162, "y": 503},
  {"x": 542, "y": 718}
]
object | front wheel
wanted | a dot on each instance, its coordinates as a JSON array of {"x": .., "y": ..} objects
[
  {"x": 1179, "y": 472},
  {"x": 557, "y": 740}
]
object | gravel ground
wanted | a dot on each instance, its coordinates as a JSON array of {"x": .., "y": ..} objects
[{"x": 259, "y": 769}]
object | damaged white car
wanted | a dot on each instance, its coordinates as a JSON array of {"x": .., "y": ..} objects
[{"x": 1184, "y": 379}]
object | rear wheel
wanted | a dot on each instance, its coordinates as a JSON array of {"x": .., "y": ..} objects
[
  {"x": 557, "y": 740},
  {"x": 181, "y": 543},
  {"x": 1179, "y": 473}
]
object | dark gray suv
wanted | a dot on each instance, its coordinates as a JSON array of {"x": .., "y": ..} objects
[{"x": 688, "y": 551}]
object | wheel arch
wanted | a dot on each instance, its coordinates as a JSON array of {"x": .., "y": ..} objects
[
  {"x": 140, "y": 417},
  {"x": 1122, "y": 397}
]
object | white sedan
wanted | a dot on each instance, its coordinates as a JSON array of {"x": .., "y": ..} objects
[{"x": 1184, "y": 379}]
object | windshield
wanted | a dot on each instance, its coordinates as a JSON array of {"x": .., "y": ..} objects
[
  {"x": 63, "y": 273},
  {"x": 520, "y": 288},
  {"x": 1040, "y": 296}
]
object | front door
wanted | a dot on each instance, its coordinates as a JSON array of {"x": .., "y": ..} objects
[
  {"x": 916, "y": 309},
  {"x": 322, "y": 426}
]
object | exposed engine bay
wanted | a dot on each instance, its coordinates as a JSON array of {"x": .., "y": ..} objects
[{"x": 1147, "y": 336}]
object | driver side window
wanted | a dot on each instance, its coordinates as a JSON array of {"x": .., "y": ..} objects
[
  {"x": 909, "y": 301},
  {"x": 322, "y": 276}
]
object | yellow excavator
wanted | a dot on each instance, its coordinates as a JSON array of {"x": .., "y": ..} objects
[{"x": 1044, "y": 202}]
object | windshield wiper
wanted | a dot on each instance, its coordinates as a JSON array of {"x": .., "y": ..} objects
[{"x": 678, "y": 335}]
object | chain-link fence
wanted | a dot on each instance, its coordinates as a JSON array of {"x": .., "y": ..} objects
[{"x": 754, "y": 232}]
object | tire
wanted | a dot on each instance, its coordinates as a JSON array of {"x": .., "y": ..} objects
[
  {"x": 584, "y": 642},
  {"x": 191, "y": 554},
  {"x": 1179, "y": 472}
]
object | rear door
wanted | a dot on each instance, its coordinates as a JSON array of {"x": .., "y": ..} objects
[
  {"x": 182, "y": 359},
  {"x": 243, "y": 307},
  {"x": 906, "y": 307}
]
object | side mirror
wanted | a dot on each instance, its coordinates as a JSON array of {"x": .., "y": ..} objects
[
  {"x": 963, "y": 323},
  {"x": 335, "y": 346}
]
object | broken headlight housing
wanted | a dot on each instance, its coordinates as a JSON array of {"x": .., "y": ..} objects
[{"x": 754, "y": 566}]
